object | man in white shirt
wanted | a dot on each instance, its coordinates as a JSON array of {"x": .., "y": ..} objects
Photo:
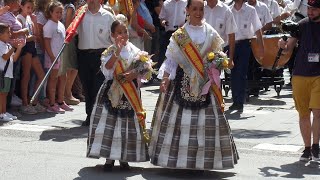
[
  {"x": 263, "y": 13},
  {"x": 172, "y": 16},
  {"x": 220, "y": 17},
  {"x": 248, "y": 24},
  {"x": 274, "y": 10},
  {"x": 297, "y": 7},
  {"x": 94, "y": 38}
]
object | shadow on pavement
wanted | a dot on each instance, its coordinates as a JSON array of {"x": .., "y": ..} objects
[
  {"x": 294, "y": 170},
  {"x": 236, "y": 115},
  {"x": 257, "y": 134},
  {"x": 97, "y": 173},
  {"x": 28, "y": 117},
  {"x": 64, "y": 134},
  {"x": 154, "y": 91},
  {"x": 257, "y": 101}
]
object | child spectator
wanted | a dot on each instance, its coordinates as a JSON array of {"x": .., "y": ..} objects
[
  {"x": 4, "y": 9},
  {"x": 29, "y": 60},
  {"x": 69, "y": 63},
  {"x": 41, "y": 20},
  {"x": 54, "y": 35},
  {"x": 17, "y": 33},
  {"x": 8, "y": 55}
]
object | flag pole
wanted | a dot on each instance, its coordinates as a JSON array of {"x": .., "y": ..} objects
[{"x": 47, "y": 75}]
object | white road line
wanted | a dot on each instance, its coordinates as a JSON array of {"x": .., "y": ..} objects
[
  {"x": 278, "y": 147},
  {"x": 27, "y": 127}
]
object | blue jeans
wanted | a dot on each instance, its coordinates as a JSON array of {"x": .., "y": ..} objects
[{"x": 239, "y": 71}]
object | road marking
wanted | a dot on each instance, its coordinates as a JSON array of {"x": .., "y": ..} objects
[
  {"x": 27, "y": 127},
  {"x": 256, "y": 112},
  {"x": 278, "y": 147}
]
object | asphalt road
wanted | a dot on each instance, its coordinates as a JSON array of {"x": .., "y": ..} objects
[{"x": 48, "y": 146}]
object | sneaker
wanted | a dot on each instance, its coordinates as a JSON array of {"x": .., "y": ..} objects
[
  {"x": 55, "y": 109},
  {"x": 315, "y": 152},
  {"x": 11, "y": 116},
  {"x": 45, "y": 103},
  {"x": 28, "y": 109},
  {"x": 4, "y": 117},
  {"x": 39, "y": 108},
  {"x": 16, "y": 101},
  {"x": 72, "y": 101},
  {"x": 65, "y": 107},
  {"x": 306, "y": 156}
]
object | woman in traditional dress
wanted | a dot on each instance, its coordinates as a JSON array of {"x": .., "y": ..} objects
[
  {"x": 115, "y": 132},
  {"x": 190, "y": 130}
]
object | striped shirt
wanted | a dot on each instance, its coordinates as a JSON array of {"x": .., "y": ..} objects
[{"x": 10, "y": 19}]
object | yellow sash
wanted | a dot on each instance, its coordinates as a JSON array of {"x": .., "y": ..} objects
[
  {"x": 192, "y": 54},
  {"x": 131, "y": 93}
]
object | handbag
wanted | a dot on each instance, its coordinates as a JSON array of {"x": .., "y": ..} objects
[{"x": 3, "y": 73}]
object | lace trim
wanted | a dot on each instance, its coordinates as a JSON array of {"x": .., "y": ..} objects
[
  {"x": 184, "y": 97},
  {"x": 123, "y": 109}
]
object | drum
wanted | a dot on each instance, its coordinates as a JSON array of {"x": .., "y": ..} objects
[{"x": 270, "y": 51}]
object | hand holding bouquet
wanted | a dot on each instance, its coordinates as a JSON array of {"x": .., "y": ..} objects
[
  {"x": 142, "y": 65},
  {"x": 219, "y": 60}
]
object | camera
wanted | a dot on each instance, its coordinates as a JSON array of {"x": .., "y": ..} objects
[{"x": 290, "y": 27}]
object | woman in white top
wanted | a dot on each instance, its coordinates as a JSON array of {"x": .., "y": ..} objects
[{"x": 190, "y": 130}]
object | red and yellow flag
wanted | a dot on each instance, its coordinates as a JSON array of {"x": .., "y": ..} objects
[{"x": 72, "y": 29}]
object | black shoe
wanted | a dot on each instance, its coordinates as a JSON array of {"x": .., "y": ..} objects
[
  {"x": 238, "y": 107},
  {"x": 306, "y": 156},
  {"x": 85, "y": 123},
  {"x": 124, "y": 166},
  {"x": 315, "y": 152},
  {"x": 108, "y": 167},
  {"x": 234, "y": 106},
  {"x": 254, "y": 92}
]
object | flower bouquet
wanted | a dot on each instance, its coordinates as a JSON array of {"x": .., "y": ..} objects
[
  {"x": 143, "y": 65},
  {"x": 214, "y": 63},
  {"x": 219, "y": 60}
]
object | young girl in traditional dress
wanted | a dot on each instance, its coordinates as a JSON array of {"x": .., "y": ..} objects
[
  {"x": 190, "y": 130},
  {"x": 115, "y": 132}
]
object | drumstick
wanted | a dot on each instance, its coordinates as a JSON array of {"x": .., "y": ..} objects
[{"x": 278, "y": 54}]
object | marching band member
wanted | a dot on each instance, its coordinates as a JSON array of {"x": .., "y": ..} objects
[
  {"x": 274, "y": 10},
  {"x": 263, "y": 13},
  {"x": 220, "y": 17},
  {"x": 248, "y": 24},
  {"x": 172, "y": 16}
]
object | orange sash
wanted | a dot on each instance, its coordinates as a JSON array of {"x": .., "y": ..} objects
[
  {"x": 192, "y": 54},
  {"x": 126, "y": 7},
  {"x": 131, "y": 93}
]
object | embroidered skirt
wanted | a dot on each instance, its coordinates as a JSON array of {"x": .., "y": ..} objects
[
  {"x": 186, "y": 138},
  {"x": 113, "y": 136}
]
